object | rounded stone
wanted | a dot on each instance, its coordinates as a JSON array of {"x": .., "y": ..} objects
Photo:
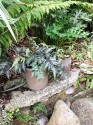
[
  {"x": 83, "y": 108},
  {"x": 62, "y": 115}
]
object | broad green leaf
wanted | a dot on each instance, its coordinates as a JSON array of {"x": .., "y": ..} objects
[{"x": 2, "y": 15}]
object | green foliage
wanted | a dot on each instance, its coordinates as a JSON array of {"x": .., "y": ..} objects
[
  {"x": 7, "y": 66},
  {"x": 39, "y": 107},
  {"x": 43, "y": 59},
  {"x": 7, "y": 117},
  {"x": 90, "y": 51},
  {"x": 67, "y": 25},
  {"x": 6, "y": 19},
  {"x": 87, "y": 48},
  {"x": 4, "y": 66},
  {"x": 17, "y": 115},
  {"x": 90, "y": 1},
  {"x": 59, "y": 53},
  {"x": 25, "y": 118},
  {"x": 76, "y": 83},
  {"x": 23, "y": 13},
  {"x": 79, "y": 56},
  {"x": 88, "y": 79},
  {"x": 40, "y": 59},
  {"x": 29, "y": 119},
  {"x": 89, "y": 83}
]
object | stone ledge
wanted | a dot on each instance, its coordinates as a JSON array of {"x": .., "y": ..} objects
[{"x": 28, "y": 98}]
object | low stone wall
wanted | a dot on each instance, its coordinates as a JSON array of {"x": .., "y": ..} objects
[{"x": 28, "y": 98}]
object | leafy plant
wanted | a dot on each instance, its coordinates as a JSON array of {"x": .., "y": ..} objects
[
  {"x": 38, "y": 60},
  {"x": 60, "y": 53},
  {"x": 79, "y": 56},
  {"x": 7, "y": 117},
  {"x": 20, "y": 14},
  {"x": 68, "y": 26},
  {"x": 39, "y": 107},
  {"x": 4, "y": 66},
  {"x": 11, "y": 116},
  {"x": 25, "y": 118},
  {"x": 90, "y": 51},
  {"x": 43, "y": 59},
  {"x": 89, "y": 83},
  {"x": 6, "y": 18},
  {"x": 87, "y": 48},
  {"x": 76, "y": 83}
]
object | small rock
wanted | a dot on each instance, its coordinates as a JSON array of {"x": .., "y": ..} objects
[
  {"x": 62, "y": 115},
  {"x": 87, "y": 68},
  {"x": 83, "y": 108},
  {"x": 42, "y": 120},
  {"x": 25, "y": 110},
  {"x": 70, "y": 90},
  {"x": 15, "y": 94}
]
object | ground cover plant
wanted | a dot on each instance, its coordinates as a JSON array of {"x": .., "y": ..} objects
[{"x": 17, "y": 117}]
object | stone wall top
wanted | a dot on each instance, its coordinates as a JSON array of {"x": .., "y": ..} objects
[{"x": 28, "y": 98}]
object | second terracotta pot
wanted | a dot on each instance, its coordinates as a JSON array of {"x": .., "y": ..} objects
[
  {"x": 35, "y": 84},
  {"x": 66, "y": 66}
]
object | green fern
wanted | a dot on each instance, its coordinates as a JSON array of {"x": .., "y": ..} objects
[{"x": 28, "y": 11}]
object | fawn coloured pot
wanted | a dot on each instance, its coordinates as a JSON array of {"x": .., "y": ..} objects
[
  {"x": 35, "y": 84},
  {"x": 66, "y": 66}
]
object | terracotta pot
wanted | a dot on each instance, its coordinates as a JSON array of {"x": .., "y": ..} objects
[
  {"x": 66, "y": 66},
  {"x": 35, "y": 84}
]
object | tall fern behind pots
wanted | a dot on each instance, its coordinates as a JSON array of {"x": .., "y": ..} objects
[{"x": 34, "y": 83}]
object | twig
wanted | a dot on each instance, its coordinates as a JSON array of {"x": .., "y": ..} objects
[{"x": 16, "y": 87}]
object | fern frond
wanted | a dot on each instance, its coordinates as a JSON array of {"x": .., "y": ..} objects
[{"x": 25, "y": 12}]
